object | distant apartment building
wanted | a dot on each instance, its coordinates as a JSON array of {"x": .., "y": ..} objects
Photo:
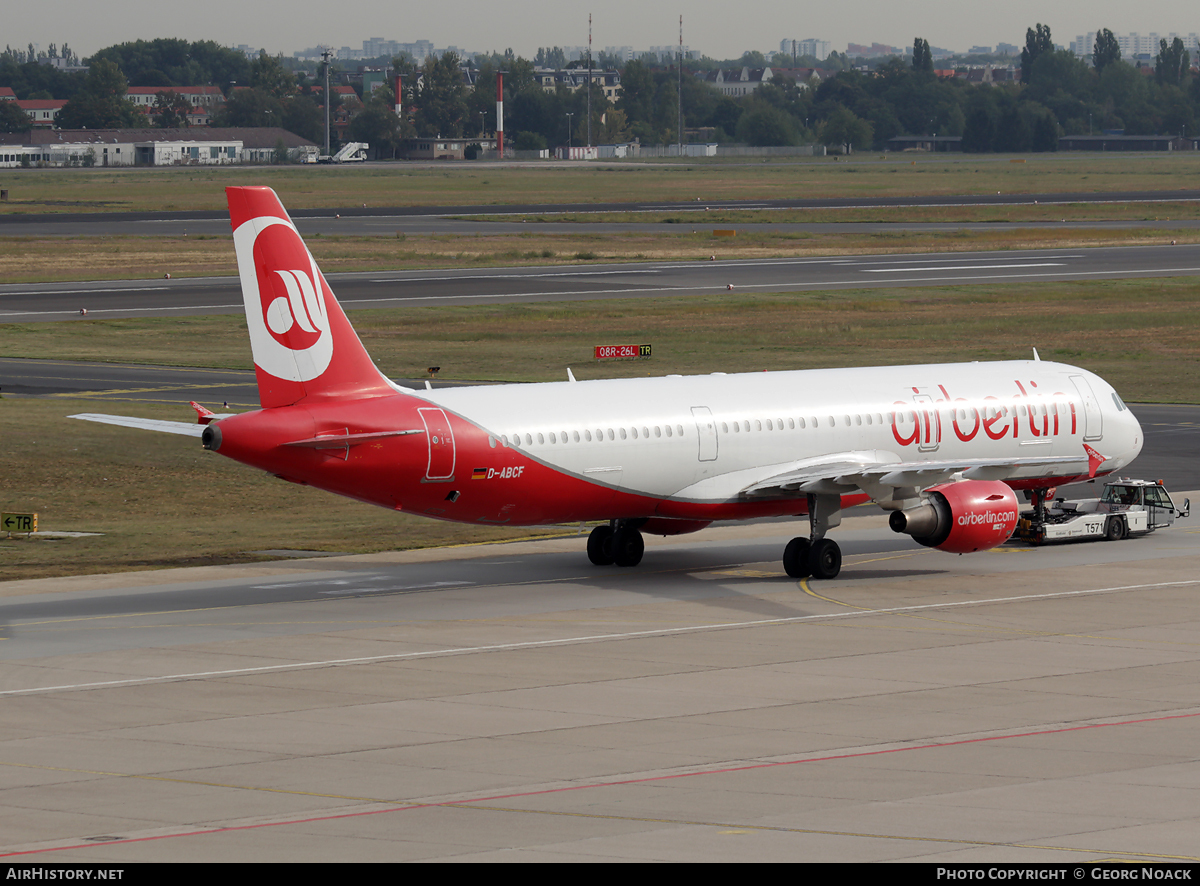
[
  {"x": 875, "y": 50},
  {"x": 668, "y": 54},
  {"x": 575, "y": 78},
  {"x": 621, "y": 53},
  {"x": 197, "y": 96},
  {"x": 740, "y": 82},
  {"x": 43, "y": 111},
  {"x": 809, "y": 46},
  {"x": 1134, "y": 46}
]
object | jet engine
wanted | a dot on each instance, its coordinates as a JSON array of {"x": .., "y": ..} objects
[{"x": 961, "y": 518}]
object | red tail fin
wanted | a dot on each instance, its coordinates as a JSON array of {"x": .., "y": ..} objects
[{"x": 302, "y": 342}]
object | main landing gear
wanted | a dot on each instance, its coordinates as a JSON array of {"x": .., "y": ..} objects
[
  {"x": 816, "y": 555},
  {"x": 619, "y": 543}
]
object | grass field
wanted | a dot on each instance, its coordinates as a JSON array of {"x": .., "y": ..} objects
[
  {"x": 161, "y": 501},
  {"x": 1142, "y": 335},
  {"x": 445, "y": 184}
]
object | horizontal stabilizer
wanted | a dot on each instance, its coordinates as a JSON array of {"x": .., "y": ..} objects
[
  {"x": 329, "y": 441},
  {"x": 187, "y": 429}
]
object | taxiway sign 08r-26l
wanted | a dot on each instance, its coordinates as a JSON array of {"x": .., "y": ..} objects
[{"x": 943, "y": 447}]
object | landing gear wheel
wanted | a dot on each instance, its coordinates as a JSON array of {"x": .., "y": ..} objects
[
  {"x": 825, "y": 558},
  {"x": 795, "y": 558},
  {"x": 599, "y": 546},
  {"x": 1114, "y": 529},
  {"x": 627, "y": 547}
]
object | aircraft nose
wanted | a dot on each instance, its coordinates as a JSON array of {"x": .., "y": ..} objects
[{"x": 1133, "y": 436}]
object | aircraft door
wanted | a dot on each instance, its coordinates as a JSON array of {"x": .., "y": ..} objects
[
  {"x": 440, "y": 438},
  {"x": 1093, "y": 418},
  {"x": 706, "y": 430}
]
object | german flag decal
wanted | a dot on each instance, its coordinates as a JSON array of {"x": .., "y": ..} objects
[{"x": 479, "y": 474}]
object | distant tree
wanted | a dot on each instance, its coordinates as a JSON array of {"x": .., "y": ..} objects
[
  {"x": 250, "y": 107},
  {"x": 979, "y": 131},
  {"x": 268, "y": 74},
  {"x": 637, "y": 92},
  {"x": 1037, "y": 42},
  {"x": 378, "y": 125},
  {"x": 102, "y": 103},
  {"x": 922, "y": 56},
  {"x": 13, "y": 119},
  {"x": 551, "y": 58},
  {"x": 764, "y": 126},
  {"x": 844, "y": 127},
  {"x": 1172, "y": 63},
  {"x": 303, "y": 116},
  {"x": 441, "y": 102},
  {"x": 1106, "y": 51},
  {"x": 171, "y": 110},
  {"x": 528, "y": 141}
]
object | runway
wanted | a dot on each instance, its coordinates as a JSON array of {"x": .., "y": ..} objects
[
  {"x": 457, "y": 219},
  {"x": 514, "y": 703},
  {"x": 27, "y": 303}
]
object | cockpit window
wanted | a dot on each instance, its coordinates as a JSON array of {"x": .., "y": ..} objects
[{"x": 1118, "y": 401}]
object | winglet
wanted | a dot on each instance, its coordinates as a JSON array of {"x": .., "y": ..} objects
[
  {"x": 1095, "y": 459},
  {"x": 203, "y": 416}
]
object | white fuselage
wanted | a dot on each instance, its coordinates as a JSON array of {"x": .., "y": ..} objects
[{"x": 708, "y": 437}]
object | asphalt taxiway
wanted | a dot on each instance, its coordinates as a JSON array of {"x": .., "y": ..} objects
[
  {"x": 512, "y": 702},
  {"x": 37, "y": 302}
]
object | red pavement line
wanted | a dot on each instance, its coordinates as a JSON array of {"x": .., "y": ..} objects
[{"x": 600, "y": 784}]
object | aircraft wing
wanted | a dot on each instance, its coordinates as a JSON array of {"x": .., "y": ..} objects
[
  {"x": 875, "y": 472},
  {"x": 187, "y": 429},
  {"x": 847, "y": 477}
]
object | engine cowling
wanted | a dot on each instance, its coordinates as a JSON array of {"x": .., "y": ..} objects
[{"x": 961, "y": 518}]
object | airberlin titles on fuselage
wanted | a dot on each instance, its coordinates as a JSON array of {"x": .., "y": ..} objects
[{"x": 918, "y": 422}]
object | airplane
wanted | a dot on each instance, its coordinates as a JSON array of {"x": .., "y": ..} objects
[{"x": 942, "y": 447}]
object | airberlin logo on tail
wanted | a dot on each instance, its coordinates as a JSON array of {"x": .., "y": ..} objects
[
  {"x": 285, "y": 300},
  {"x": 292, "y": 318}
]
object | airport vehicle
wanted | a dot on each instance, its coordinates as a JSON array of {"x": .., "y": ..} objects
[
  {"x": 1125, "y": 507},
  {"x": 351, "y": 152},
  {"x": 940, "y": 446}
]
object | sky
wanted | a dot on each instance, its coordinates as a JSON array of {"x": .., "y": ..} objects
[{"x": 717, "y": 29}]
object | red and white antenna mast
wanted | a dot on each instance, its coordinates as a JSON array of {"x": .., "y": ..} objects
[{"x": 500, "y": 114}]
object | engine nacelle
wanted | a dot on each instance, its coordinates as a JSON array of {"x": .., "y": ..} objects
[{"x": 961, "y": 518}]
